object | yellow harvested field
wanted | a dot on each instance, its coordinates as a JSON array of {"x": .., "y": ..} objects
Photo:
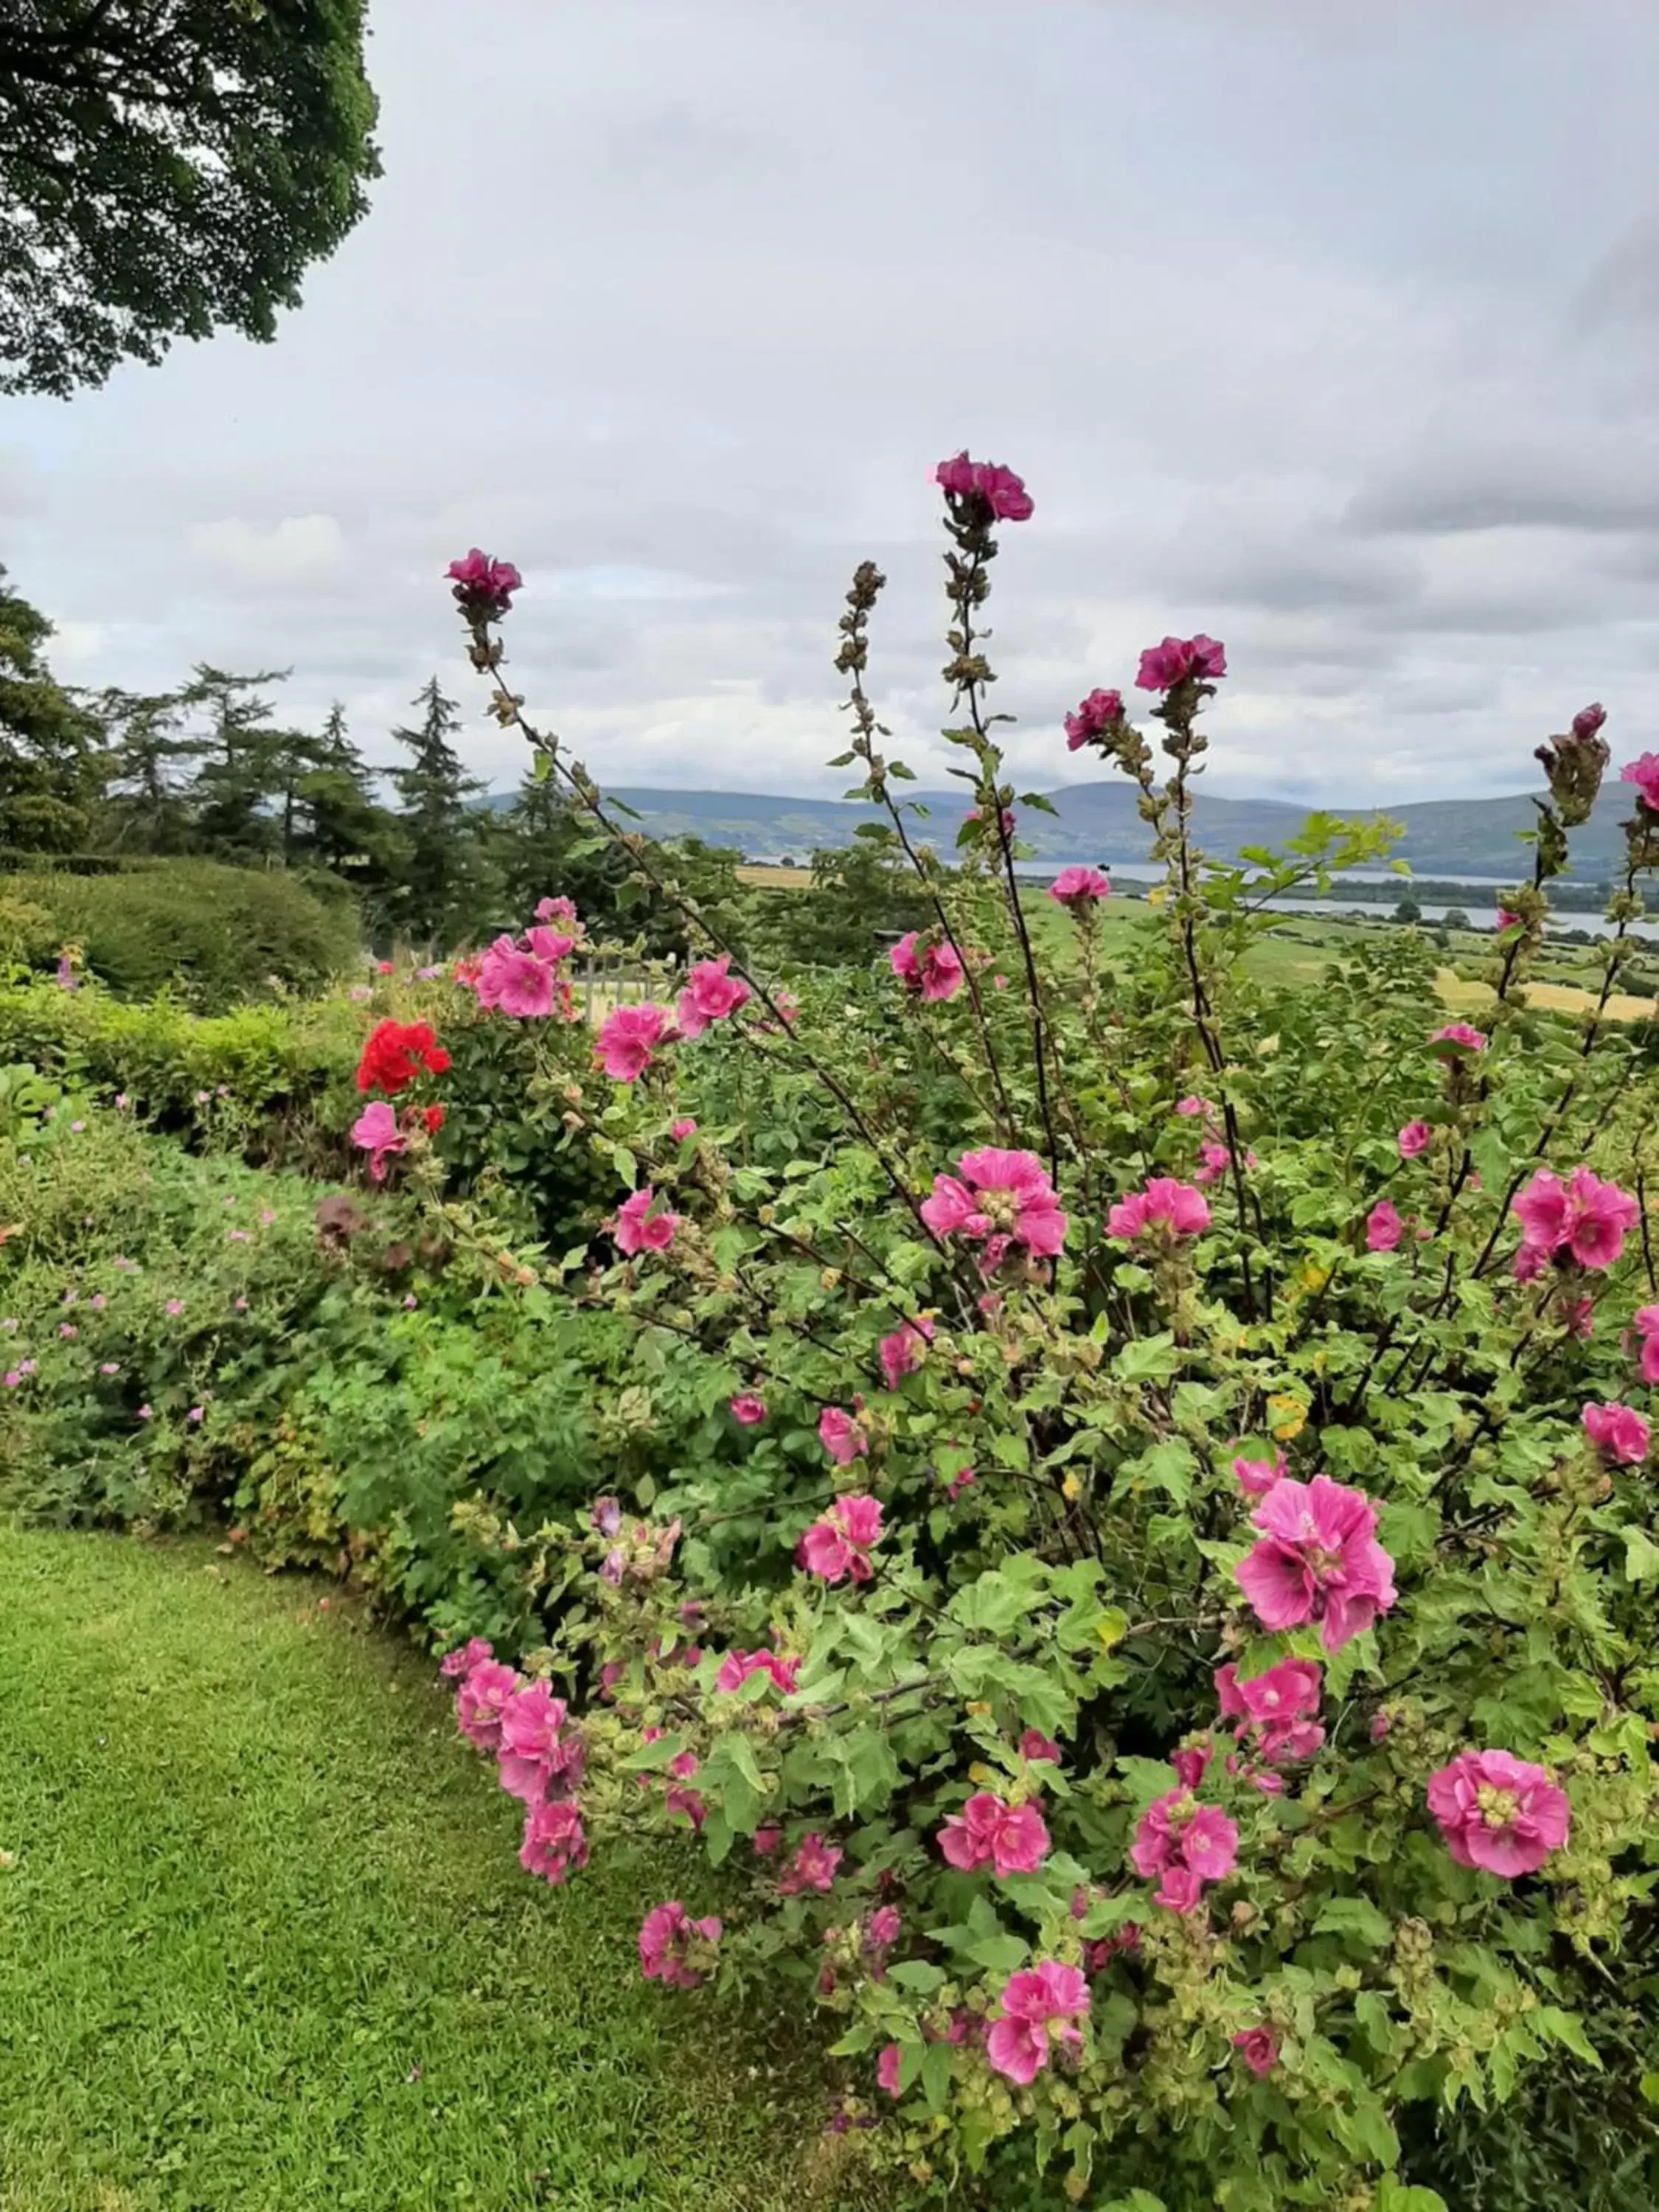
[
  {"x": 1555, "y": 998},
  {"x": 777, "y": 879}
]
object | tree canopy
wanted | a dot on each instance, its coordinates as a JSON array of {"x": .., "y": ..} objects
[{"x": 169, "y": 167}]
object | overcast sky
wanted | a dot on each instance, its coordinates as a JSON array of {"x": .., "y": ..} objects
[{"x": 1329, "y": 326}]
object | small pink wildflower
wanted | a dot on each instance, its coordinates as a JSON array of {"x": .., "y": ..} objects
[
  {"x": 987, "y": 481},
  {"x": 839, "y": 1544},
  {"x": 1034, "y": 1745},
  {"x": 1644, "y": 775},
  {"x": 1185, "y": 1844},
  {"x": 1176, "y": 659},
  {"x": 1414, "y": 1138},
  {"x": 903, "y": 1352},
  {"x": 1078, "y": 887},
  {"x": 1010, "y": 1838},
  {"x": 1497, "y": 1813},
  {"x": 669, "y": 1939},
  {"x": 516, "y": 981},
  {"x": 1256, "y": 1477},
  {"x": 1174, "y": 1208},
  {"x": 482, "y": 1699},
  {"x": 934, "y": 973},
  {"x": 626, "y": 1038},
  {"x": 484, "y": 588},
  {"x": 637, "y": 1229},
  {"x": 887, "y": 2069},
  {"x": 1092, "y": 717},
  {"x": 1589, "y": 1218},
  {"x": 1194, "y": 1108},
  {"x": 1458, "y": 1037},
  {"x": 748, "y": 1409},
  {"x": 174, "y": 1308},
  {"x": 840, "y": 1436},
  {"x": 1215, "y": 1160},
  {"x": 680, "y": 1130},
  {"x": 1618, "y": 1434},
  {"x": 1039, "y": 2005},
  {"x": 812, "y": 1867},
  {"x": 1259, "y": 2047},
  {"x": 1383, "y": 1227},
  {"x": 710, "y": 995},
  {"x": 375, "y": 1132},
  {"x": 532, "y": 1756},
  {"x": 737, "y": 1667},
  {"x": 1318, "y": 1559},
  {"x": 997, "y": 1199},
  {"x": 472, "y": 1654},
  {"x": 554, "y": 1843}
]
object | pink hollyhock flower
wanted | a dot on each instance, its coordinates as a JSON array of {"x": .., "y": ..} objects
[
  {"x": 513, "y": 981},
  {"x": 1077, "y": 888},
  {"x": 472, "y": 1654},
  {"x": 1591, "y": 1218},
  {"x": 1318, "y": 1559},
  {"x": 1034, "y": 1745},
  {"x": 1001, "y": 490},
  {"x": 483, "y": 586},
  {"x": 375, "y": 1132},
  {"x": 903, "y": 1352},
  {"x": 1506, "y": 921},
  {"x": 840, "y": 1436},
  {"x": 748, "y": 1409},
  {"x": 1413, "y": 1138},
  {"x": 1094, "y": 714},
  {"x": 935, "y": 972},
  {"x": 1588, "y": 720},
  {"x": 1185, "y": 1844},
  {"x": 1215, "y": 1160},
  {"x": 963, "y": 1479},
  {"x": 1459, "y": 1037},
  {"x": 1256, "y": 1477},
  {"x": 814, "y": 1867},
  {"x": 556, "y": 909},
  {"x": 550, "y": 944},
  {"x": 636, "y": 1229},
  {"x": 1039, "y": 2005},
  {"x": 1011, "y": 1838},
  {"x": 1194, "y": 1108},
  {"x": 1259, "y": 2047},
  {"x": 738, "y": 1666},
  {"x": 680, "y": 1130},
  {"x": 528, "y": 1751},
  {"x": 688, "y": 1802},
  {"x": 1499, "y": 1813},
  {"x": 626, "y": 1039},
  {"x": 554, "y": 1844},
  {"x": 1577, "y": 1317},
  {"x": 668, "y": 1937},
  {"x": 1618, "y": 1434},
  {"x": 839, "y": 1544},
  {"x": 997, "y": 1199},
  {"x": 1383, "y": 1227},
  {"x": 1175, "y": 1208},
  {"x": 144, "y": 1412},
  {"x": 1191, "y": 1764},
  {"x": 481, "y": 1701},
  {"x": 710, "y": 995},
  {"x": 1529, "y": 1262},
  {"x": 766, "y": 1841},
  {"x": 881, "y": 1929},
  {"x": 1163, "y": 666},
  {"x": 887, "y": 2069},
  {"x": 1644, "y": 775}
]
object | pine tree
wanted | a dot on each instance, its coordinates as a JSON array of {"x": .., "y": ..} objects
[
  {"x": 445, "y": 887},
  {"x": 349, "y": 831},
  {"x": 50, "y": 746},
  {"x": 149, "y": 807},
  {"x": 244, "y": 771}
]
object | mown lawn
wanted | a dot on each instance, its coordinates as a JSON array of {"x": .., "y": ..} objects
[{"x": 264, "y": 1943}]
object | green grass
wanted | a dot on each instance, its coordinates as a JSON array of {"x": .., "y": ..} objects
[{"x": 265, "y": 1944}]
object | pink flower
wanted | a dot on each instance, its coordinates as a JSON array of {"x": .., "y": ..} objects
[
  {"x": 636, "y": 1229},
  {"x": 997, "y": 1199},
  {"x": 554, "y": 1841},
  {"x": 1163, "y": 666},
  {"x": 999, "y": 488},
  {"x": 1175, "y": 1208},
  {"x": 840, "y": 1436},
  {"x": 517, "y": 982},
  {"x": 1577, "y": 1317},
  {"x": 529, "y": 1752},
  {"x": 668, "y": 1938},
  {"x": 472, "y": 1654},
  {"x": 1499, "y": 1813},
  {"x": 1077, "y": 888},
  {"x": 963, "y": 1479},
  {"x": 903, "y": 1352},
  {"x": 481, "y": 1701},
  {"x": 748, "y": 1409},
  {"x": 1256, "y": 1477},
  {"x": 814, "y": 1867},
  {"x": 1194, "y": 1108},
  {"x": 935, "y": 972},
  {"x": 556, "y": 909},
  {"x": 1459, "y": 1037},
  {"x": 1506, "y": 921},
  {"x": 1588, "y": 720},
  {"x": 1413, "y": 1138},
  {"x": 1094, "y": 715},
  {"x": 1032, "y": 2002},
  {"x": 1034, "y": 1745},
  {"x": 1184, "y": 1843},
  {"x": 1617, "y": 1433},
  {"x": 375, "y": 1132},
  {"x": 483, "y": 588},
  {"x": 1591, "y": 1218},
  {"x": 1259, "y": 2047},
  {"x": 1644, "y": 775},
  {"x": 737, "y": 1667},
  {"x": 1215, "y": 1160},
  {"x": 1318, "y": 1559},
  {"x": 710, "y": 995},
  {"x": 839, "y": 1544},
  {"x": 623, "y": 1047},
  {"x": 1191, "y": 1764},
  {"x": 1011, "y": 1838},
  {"x": 766, "y": 1841},
  {"x": 680, "y": 1130},
  {"x": 1383, "y": 1227},
  {"x": 887, "y": 2069}
]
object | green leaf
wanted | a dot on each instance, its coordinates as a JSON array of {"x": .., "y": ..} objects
[
  {"x": 1356, "y": 1917},
  {"x": 1641, "y": 1557},
  {"x": 627, "y": 1167},
  {"x": 917, "y": 1974}
]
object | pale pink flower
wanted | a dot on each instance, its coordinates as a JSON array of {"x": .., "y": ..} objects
[
  {"x": 1093, "y": 716},
  {"x": 626, "y": 1040},
  {"x": 1163, "y": 666},
  {"x": 1416, "y": 1137},
  {"x": 1644, "y": 775},
  {"x": 1256, "y": 1477},
  {"x": 935, "y": 972},
  {"x": 1010, "y": 1838},
  {"x": 748, "y": 1408},
  {"x": 1039, "y": 2006},
  {"x": 1499, "y": 1813},
  {"x": 1001, "y": 489},
  {"x": 710, "y": 995},
  {"x": 1175, "y": 1209},
  {"x": 1259, "y": 2047},
  {"x": 1078, "y": 887},
  {"x": 997, "y": 1199},
  {"x": 637, "y": 1229},
  {"x": 375, "y": 1132},
  {"x": 1215, "y": 1160},
  {"x": 529, "y": 1752},
  {"x": 482, "y": 1699},
  {"x": 669, "y": 1939},
  {"x": 840, "y": 1436},
  {"x": 554, "y": 1844},
  {"x": 558, "y": 909},
  {"x": 680, "y": 1130},
  {"x": 1383, "y": 1227},
  {"x": 814, "y": 1867},
  {"x": 903, "y": 1352},
  {"x": 472, "y": 1654},
  {"x": 839, "y": 1544},
  {"x": 1185, "y": 1844},
  {"x": 1318, "y": 1559},
  {"x": 1618, "y": 1433},
  {"x": 1458, "y": 1037},
  {"x": 1194, "y": 1109},
  {"x": 887, "y": 2069},
  {"x": 737, "y": 1667}
]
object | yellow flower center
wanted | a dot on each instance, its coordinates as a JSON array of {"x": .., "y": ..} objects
[{"x": 1498, "y": 1807}]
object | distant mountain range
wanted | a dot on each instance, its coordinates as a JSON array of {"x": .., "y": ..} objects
[{"x": 1456, "y": 839}]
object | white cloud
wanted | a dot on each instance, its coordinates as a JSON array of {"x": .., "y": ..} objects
[{"x": 302, "y": 550}]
